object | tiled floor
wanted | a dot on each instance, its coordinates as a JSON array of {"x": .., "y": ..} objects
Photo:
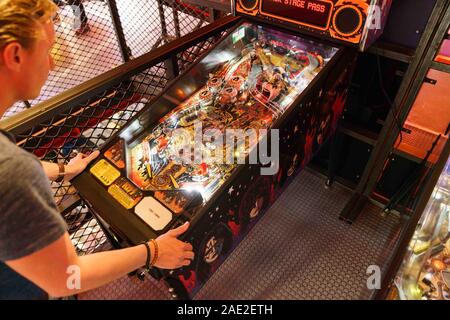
[{"x": 298, "y": 250}]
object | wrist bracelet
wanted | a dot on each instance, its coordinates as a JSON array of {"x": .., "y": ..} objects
[
  {"x": 155, "y": 254},
  {"x": 147, "y": 261},
  {"x": 62, "y": 169}
]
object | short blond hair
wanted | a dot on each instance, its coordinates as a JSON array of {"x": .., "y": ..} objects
[{"x": 19, "y": 20}]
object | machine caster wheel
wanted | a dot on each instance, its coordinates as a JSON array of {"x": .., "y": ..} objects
[
  {"x": 173, "y": 295},
  {"x": 176, "y": 289},
  {"x": 141, "y": 275},
  {"x": 348, "y": 221},
  {"x": 385, "y": 212}
]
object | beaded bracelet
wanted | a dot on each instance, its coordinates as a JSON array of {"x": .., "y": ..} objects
[{"x": 155, "y": 254}]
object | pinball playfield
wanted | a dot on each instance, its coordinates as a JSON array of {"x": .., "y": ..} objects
[{"x": 248, "y": 92}]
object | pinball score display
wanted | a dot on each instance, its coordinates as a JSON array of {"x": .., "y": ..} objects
[{"x": 315, "y": 13}]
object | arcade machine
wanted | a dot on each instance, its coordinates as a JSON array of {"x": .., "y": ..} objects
[
  {"x": 425, "y": 271},
  {"x": 270, "y": 90}
]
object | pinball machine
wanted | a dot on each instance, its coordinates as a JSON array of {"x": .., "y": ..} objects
[
  {"x": 222, "y": 141},
  {"x": 425, "y": 270}
]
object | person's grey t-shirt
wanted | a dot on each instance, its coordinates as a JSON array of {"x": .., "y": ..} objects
[{"x": 29, "y": 217}]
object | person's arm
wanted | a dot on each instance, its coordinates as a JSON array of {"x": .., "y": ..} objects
[
  {"x": 51, "y": 169},
  {"x": 49, "y": 268},
  {"x": 72, "y": 169}
]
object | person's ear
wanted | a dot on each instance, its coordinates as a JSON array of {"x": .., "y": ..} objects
[{"x": 13, "y": 56}]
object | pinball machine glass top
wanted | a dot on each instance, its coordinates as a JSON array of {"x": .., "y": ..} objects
[{"x": 246, "y": 82}]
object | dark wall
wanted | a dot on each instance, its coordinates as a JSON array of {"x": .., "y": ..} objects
[{"x": 407, "y": 21}]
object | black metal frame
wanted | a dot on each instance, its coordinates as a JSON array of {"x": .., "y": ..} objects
[
  {"x": 392, "y": 51},
  {"x": 125, "y": 50},
  {"x": 440, "y": 66},
  {"x": 434, "y": 173},
  {"x": 414, "y": 77}
]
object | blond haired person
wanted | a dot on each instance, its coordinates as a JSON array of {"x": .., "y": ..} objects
[{"x": 36, "y": 254}]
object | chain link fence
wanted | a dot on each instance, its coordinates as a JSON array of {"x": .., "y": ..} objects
[
  {"x": 149, "y": 24},
  {"x": 83, "y": 128},
  {"x": 94, "y": 36}
]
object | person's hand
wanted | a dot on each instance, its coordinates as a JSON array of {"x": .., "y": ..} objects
[
  {"x": 78, "y": 164},
  {"x": 173, "y": 253}
]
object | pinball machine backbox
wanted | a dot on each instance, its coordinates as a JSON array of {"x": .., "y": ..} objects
[{"x": 354, "y": 22}]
